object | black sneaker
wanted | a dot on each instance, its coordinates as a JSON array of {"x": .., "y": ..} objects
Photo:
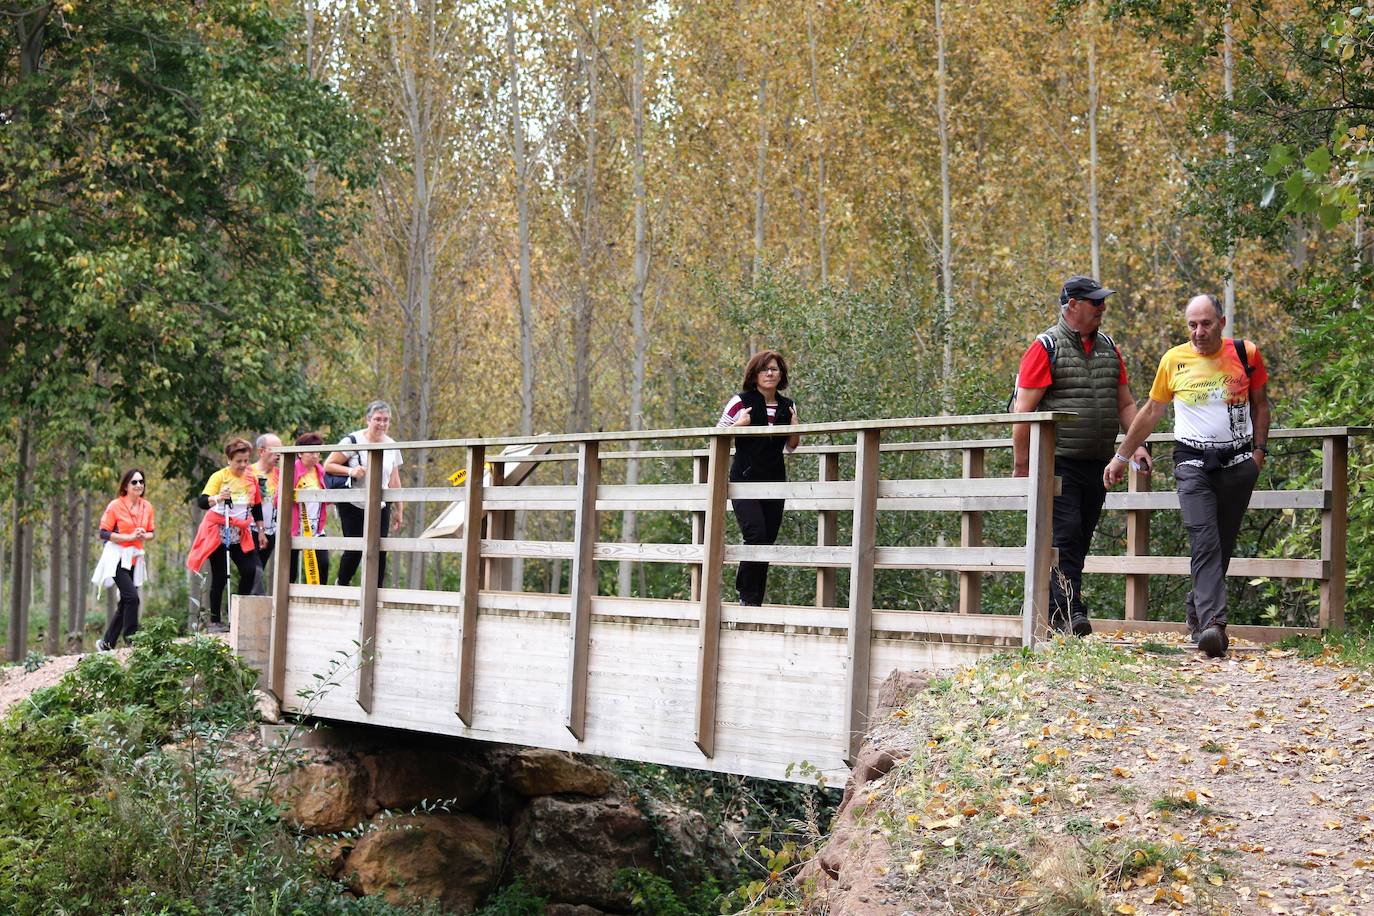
[
  {"x": 1081, "y": 626},
  {"x": 1213, "y": 641},
  {"x": 1194, "y": 635}
]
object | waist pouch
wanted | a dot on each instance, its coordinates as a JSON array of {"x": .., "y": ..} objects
[{"x": 1213, "y": 459}]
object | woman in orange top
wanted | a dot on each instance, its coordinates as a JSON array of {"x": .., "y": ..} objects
[{"x": 128, "y": 524}]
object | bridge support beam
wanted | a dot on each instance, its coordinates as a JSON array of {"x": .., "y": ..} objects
[
  {"x": 582, "y": 585},
  {"x": 827, "y": 532},
  {"x": 281, "y": 598},
  {"x": 860, "y": 647},
  {"x": 1335, "y": 458},
  {"x": 1138, "y": 545},
  {"x": 708, "y": 626},
  {"x": 971, "y": 535},
  {"x": 372, "y": 567},
  {"x": 470, "y": 582},
  {"x": 1035, "y": 608}
]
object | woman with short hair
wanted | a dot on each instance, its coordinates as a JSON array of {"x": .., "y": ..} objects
[
  {"x": 759, "y": 458},
  {"x": 348, "y": 462},
  {"x": 125, "y": 526}
]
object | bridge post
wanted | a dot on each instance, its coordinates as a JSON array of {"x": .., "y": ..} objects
[
  {"x": 281, "y": 598},
  {"x": 712, "y": 572},
  {"x": 372, "y": 560},
  {"x": 1138, "y": 545},
  {"x": 582, "y": 584},
  {"x": 1335, "y": 457},
  {"x": 470, "y": 581},
  {"x": 827, "y": 531},
  {"x": 699, "y": 470},
  {"x": 1039, "y": 532},
  {"x": 971, "y": 535},
  {"x": 496, "y": 571},
  {"x": 860, "y": 643}
]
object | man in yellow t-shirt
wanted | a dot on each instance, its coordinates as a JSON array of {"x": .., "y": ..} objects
[{"x": 1221, "y": 424}]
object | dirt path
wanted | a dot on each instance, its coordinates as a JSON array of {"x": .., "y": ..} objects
[{"x": 1278, "y": 753}]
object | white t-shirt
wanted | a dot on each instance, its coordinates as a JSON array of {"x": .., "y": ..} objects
[{"x": 391, "y": 460}]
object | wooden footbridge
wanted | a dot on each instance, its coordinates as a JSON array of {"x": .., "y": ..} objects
[{"x": 700, "y": 681}]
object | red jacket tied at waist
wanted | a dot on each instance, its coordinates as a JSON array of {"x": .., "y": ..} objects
[{"x": 208, "y": 539}]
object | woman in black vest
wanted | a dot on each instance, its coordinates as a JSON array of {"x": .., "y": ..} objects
[{"x": 759, "y": 458}]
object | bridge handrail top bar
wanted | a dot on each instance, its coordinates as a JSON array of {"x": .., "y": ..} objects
[
  {"x": 1313, "y": 432},
  {"x": 701, "y": 432}
]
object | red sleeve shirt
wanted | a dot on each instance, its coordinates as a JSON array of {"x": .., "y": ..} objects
[{"x": 1035, "y": 367}]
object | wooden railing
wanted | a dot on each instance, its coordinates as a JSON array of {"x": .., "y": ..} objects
[{"x": 486, "y": 582}]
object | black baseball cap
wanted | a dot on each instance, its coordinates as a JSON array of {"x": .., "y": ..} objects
[{"x": 1083, "y": 288}]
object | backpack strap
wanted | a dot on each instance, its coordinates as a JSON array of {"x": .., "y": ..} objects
[
  {"x": 1244, "y": 359},
  {"x": 1047, "y": 342}
]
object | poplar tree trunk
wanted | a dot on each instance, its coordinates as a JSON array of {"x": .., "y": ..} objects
[
  {"x": 52, "y": 643},
  {"x": 822, "y": 244},
  {"x": 630, "y": 532},
  {"x": 526, "y": 296},
  {"x": 760, "y": 183},
  {"x": 946, "y": 229},
  {"x": 584, "y": 307},
  {"x": 73, "y": 539},
  {"x": 1227, "y": 61},
  {"x": 88, "y": 539},
  {"x": 1094, "y": 217},
  {"x": 18, "y": 637}
]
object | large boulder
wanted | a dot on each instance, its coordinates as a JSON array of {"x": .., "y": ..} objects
[
  {"x": 535, "y": 771},
  {"x": 324, "y": 792},
  {"x": 450, "y": 859},
  {"x": 402, "y": 779},
  {"x": 569, "y": 850}
]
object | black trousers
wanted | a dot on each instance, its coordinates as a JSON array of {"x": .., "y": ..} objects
[
  {"x": 1076, "y": 511},
  {"x": 298, "y": 569},
  {"x": 125, "y": 619},
  {"x": 246, "y": 561},
  {"x": 1213, "y": 504},
  {"x": 759, "y": 522},
  {"x": 351, "y": 520}
]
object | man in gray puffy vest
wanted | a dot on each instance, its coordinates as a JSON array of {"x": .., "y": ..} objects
[{"x": 1075, "y": 367}]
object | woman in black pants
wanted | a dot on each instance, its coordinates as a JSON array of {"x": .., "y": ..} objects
[
  {"x": 233, "y": 493},
  {"x": 759, "y": 459},
  {"x": 125, "y": 526},
  {"x": 353, "y": 464}
]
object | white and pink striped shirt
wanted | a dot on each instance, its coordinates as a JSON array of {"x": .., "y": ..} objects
[{"x": 735, "y": 405}]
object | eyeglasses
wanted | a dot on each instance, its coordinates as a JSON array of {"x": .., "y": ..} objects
[
  {"x": 1095, "y": 303},
  {"x": 136, "y": 482},
  {"x": 769, "y": 369}
]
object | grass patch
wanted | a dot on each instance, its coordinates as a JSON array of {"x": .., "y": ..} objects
[
  {"x": 1005, "y": 805},
  {"x": 1351, "y": 647}
]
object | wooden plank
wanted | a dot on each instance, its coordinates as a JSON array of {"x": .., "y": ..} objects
[
  {"x": 699, "y": 467},
  {"x": 1241, "y": 567},
  {"x": 281, "y": 603},
  {"x": 469, "y": 584},
  {"x": 1260, "y": 499},
  {"x": 540, "y": 550},
  {"x": 971, "y": 535},
  {"x": 827, "y": 531},
  {"x": 424, "y": 545},
  {"x": 1138, "y": 545},
  {"x": 372, "y": 555},
  {"x": 1108, "y": 626},
  {"x": 1007, "y": 559},
  {"x": 1039, "y": 533},
  {"x": 708, "y": 629},
  {"x": 1335, "y": 460},
  {"x": 859, "y": 645},
  {"x": 710, "y": 432},
  {"x": 497, "y": 572},
  {"x": 582, "y": 587}
]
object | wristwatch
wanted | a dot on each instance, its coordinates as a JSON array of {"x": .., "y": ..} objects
[{"x": 1261, "y": 447}]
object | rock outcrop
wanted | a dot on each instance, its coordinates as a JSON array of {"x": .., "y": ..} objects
[
  {"x": 451, "y": 859},
  {"x": 433, "y": 819}
]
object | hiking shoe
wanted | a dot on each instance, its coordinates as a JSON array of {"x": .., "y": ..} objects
[
  {"x": 102, "y": 646},
  {"x": 1194, "y": 635},
  {"x": 1081, "y": 626},
  {"x": 1213, "y": 641}
]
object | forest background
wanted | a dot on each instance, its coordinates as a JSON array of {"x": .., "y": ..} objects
[{"x": 229, "y": 217}]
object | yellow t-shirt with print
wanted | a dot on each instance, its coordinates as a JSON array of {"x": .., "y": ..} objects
[
  {"x": 1211, "y": 394},
  {"x": 243, "y": 491}
]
